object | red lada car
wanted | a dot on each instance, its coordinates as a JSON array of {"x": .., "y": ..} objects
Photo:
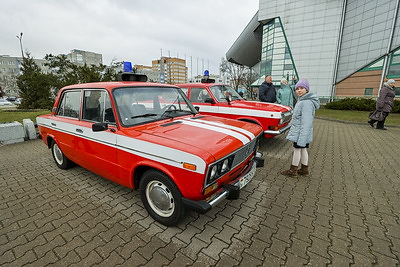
[
  {"x": 149, "y": 136},
  {"x": 223, "y": 101}
]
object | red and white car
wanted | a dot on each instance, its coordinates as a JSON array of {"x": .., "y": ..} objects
[
  {"x": 149, "y": 136},
  {"x": 223, "y": 101}
]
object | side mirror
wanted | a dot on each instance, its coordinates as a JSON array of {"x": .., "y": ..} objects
[
  {"x": 99, "y": 127},
  {"x": 209, "y": 100},
  {"x": 197, "y": 108}
]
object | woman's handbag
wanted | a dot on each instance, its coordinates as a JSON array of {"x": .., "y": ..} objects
[{"x": 377, "y": 115}]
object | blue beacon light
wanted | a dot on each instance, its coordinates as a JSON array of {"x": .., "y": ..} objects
[{"x": 128, "y": 66}]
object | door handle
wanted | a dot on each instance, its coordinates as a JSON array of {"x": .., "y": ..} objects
[
  {"x": 53, "y": 124},
  {"x": 79, "y": 130}
]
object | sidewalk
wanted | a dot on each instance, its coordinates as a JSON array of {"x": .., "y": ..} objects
[{"x": 346, "y": 212}]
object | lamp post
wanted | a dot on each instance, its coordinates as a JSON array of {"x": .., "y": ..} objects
[{"x": 20, "y": 43}]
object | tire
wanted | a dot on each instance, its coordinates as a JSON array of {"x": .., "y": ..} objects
[
  {"x": 161, "y": 198},
  {"x": 60, "y": 159}
]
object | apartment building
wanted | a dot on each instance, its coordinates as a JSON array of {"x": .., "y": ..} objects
[
  {"x": 171, "y": 70},
  {"x": 10, "y": 67}
]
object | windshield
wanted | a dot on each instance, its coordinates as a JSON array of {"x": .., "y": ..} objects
[
  {"x": 221, "y": 92},
  {"x": 137, "y": 105}
]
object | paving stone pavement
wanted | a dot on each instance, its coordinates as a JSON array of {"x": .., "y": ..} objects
[{"x": 345, "y": 213}]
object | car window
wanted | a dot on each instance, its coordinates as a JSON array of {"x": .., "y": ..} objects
[
  {"x": 136, "y": 105},
  {"x": 221, "y": 92},
  {"x": 198, "y": 95},
  {"x": 185, "y": 90},
  {"x": 97, "y": 106},
  {"x": 70, "y": 104}
]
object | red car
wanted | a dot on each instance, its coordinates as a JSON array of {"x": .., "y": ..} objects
[
  {"x": 223, "y": 101},
  {"x": 149, "y": 136}
]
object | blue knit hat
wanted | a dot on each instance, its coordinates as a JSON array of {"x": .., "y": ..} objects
[{"x": 303, "y": 83}]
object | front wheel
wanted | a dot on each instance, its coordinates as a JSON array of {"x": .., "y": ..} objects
[
  {"x": 61, "y": 160},
  {"x": 161, "y": 198}
]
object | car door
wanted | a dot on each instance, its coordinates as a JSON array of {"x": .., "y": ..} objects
[
  {"x": 97, "y": 149},
  {"x": 201, "y": 97},
  {"x": 64, "y": 122}
]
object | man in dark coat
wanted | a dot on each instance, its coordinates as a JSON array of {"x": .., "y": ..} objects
[{"x": 266, "y": 92}]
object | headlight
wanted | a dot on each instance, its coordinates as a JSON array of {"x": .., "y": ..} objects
[
  {"x": 225, "y": 165},
  {"x": 219, "y": 168},
  {"x": 282, "y": 119},
  {"x": 213, "y": 172}
]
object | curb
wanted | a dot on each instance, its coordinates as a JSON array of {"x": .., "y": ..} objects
[{"x": 352, "y": 122}]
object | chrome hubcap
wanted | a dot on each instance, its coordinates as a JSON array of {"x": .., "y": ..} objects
[
  {"x": 58, "y": 154},
  {"x": 160, "y": 199}
]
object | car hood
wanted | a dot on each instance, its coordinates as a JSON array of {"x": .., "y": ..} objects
[
  {"x": 202, "y": 135},
  {"x": 260, "y": 106}
]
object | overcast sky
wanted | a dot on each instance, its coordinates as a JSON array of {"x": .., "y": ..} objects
[{"x": 126, "y": 30}]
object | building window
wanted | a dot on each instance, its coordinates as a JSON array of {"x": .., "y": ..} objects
[
  {"x": 276, "y": 58},
  {"x": 368, "y": 91},
  {"x": 394, "y": 65},
  {"x": 397, "y": 91},
  {"x": 377, "y": 65},
  {"x": 79, "y": 58}
]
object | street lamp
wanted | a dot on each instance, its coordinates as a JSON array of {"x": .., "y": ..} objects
[{"x": 20, "y": 43}]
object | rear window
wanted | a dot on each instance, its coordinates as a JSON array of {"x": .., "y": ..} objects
[{"x": 70, "y": 104}]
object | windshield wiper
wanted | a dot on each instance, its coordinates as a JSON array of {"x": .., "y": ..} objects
[{"x": 144, "y": 115}]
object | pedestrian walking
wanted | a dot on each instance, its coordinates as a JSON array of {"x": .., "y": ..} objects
[
  {"x": 301, "y": 128},
  {"x": 284, "y": 96},
  {"x": 266, "y": 92},
  {"x": 384, "y": 103}
]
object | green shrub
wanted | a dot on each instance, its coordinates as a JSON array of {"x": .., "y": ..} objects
[{"x": 362, "y": 104}]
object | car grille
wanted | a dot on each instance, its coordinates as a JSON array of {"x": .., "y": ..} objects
[{"x": 243, "y": 153}]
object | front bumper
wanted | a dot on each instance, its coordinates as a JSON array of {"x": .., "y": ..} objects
[
  {"x": 280, "y": 131},
  {"x": 228, "y": 191}
]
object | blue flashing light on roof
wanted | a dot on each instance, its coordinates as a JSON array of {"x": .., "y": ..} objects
[
  {"x": 129, "y": 76},
  {"x": 128, "y": 66},
  {"x": 206, "y": 77}
]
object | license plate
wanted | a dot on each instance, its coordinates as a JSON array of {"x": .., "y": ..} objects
[{"x": 247, "y": 177}]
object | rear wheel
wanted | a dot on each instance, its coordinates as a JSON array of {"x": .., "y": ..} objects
[
  {"x": 61, "y": 160},
  {"x": 161, "y": 198}
]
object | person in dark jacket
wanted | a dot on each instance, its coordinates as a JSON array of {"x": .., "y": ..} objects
[
  {"x": 384, "y": 103},
  {"x": 266, "y": 92},
  {"x": 301, "y": 128}
]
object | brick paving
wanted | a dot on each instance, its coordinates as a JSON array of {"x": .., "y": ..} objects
[{"x": 346, "y": 213}]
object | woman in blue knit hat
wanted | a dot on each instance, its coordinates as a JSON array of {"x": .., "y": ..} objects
[{"x": 301, "y": 128}]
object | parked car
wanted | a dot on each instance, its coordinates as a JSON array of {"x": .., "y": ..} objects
[
  {"x": 11, "y": 98},
  {"x": 223, "y": 101},
  {"x": 18, "y": 101},
  {"x": 149, "y": 136},
  {"x": 4, "y": 102}
]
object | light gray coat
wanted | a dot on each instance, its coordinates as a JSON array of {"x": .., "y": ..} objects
[{"x": 301, "y": 125}]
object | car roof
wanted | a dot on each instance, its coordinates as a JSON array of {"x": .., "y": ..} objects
[
  {"x": 111, "y": 85},
  {"x": 200, "y": 84}
]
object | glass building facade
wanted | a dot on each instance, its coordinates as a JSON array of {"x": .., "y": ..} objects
[
  {"x": 276, "y": 58},
  {"x": 329, "y": 42}
]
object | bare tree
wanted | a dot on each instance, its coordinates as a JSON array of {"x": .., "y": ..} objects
[
  {"x": 249, "y": 78},
  {"x": 235, "y": 72},
  {"x": 240, "y": 76}
]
